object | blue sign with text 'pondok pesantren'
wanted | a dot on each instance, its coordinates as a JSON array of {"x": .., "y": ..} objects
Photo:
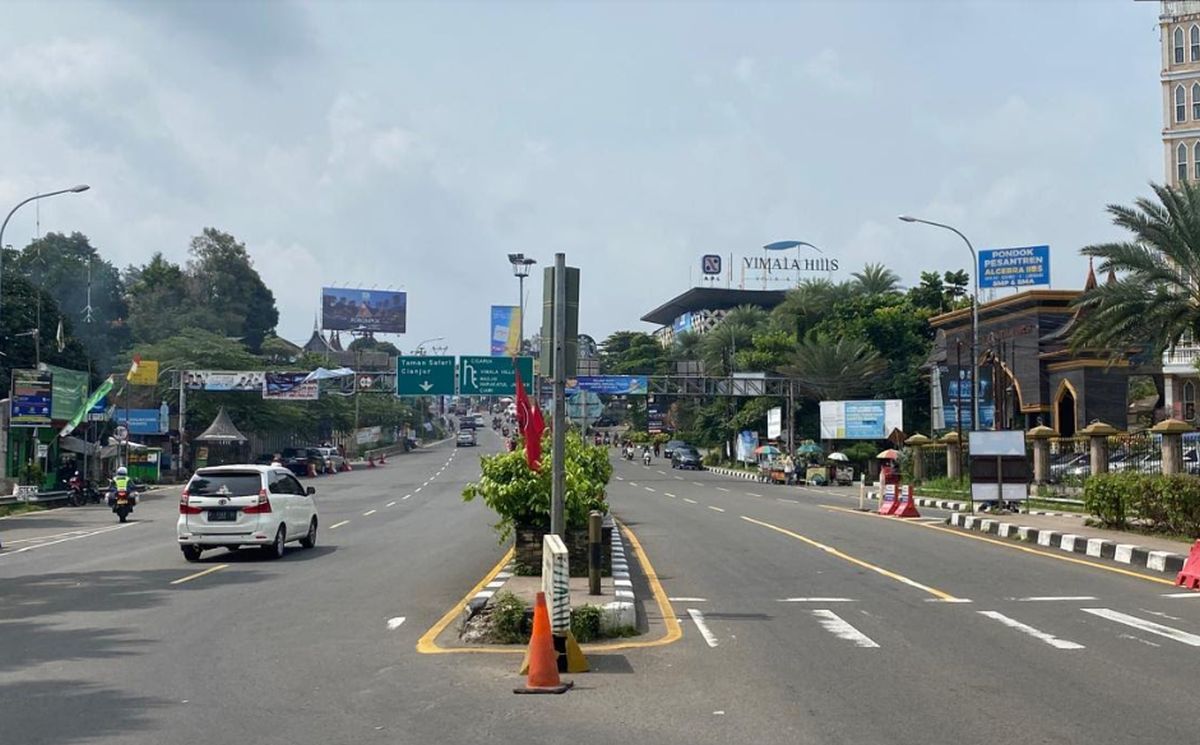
[{"x": 1014, "y": 267}]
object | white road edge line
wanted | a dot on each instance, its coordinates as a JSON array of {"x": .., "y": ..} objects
[
  {"x": 1154, "y": 628},
  {"x": 1048, "y": 598},
  {"x": 836, "y": 625},
  {"x": 23, "y": 549},
  {"x": 698, "y": 619},
  {"x": 816, "y": 600},
  {"x": 688, "y": 600},
  {"x": 1042, "y": 636},
  {"x": 1192, "y": 594},
  {"x": 395, "y": 623}
]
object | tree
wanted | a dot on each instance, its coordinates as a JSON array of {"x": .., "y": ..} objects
[
  {"x": 66, "y": 268},
  {"x": 632, "y": 353},
  {"x": 876, "y": 279},
  {"x": 806, "y": 304},
  {"x": 829, "y": 368},
  {"x": 224, "y": 281},
  {"x": 18, "y": 319},
  {"x": 370, "y": 343},
  {"x": 160, "y": 301},
  {"x": 718, "y": 348},
  {"x": 1156, "y": 299}
]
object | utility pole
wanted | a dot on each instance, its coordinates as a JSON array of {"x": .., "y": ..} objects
[{"x": 559, "y": 441}]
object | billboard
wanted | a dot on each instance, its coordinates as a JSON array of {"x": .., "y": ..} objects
[
  {"x": 146, "y": 374},
  {"x": 861, "y": 420},
  {"x": 69, "y": 390},
  {"x": 289, "y": 386},
  {"x": 224, "y": 380},
  {"x": 144, "y": 421},
  {"x": 506, "y": 330},
  {"x": 31, "y": 399},
  {"x": 747, "y": 443},
  {"x": 344, "y": 309},
  {"x": 955, "y": 384},
  {"x": 775, "y": 423},
  {"x": 1014, "y": 267},
  {"x": 612, "y": 385}
]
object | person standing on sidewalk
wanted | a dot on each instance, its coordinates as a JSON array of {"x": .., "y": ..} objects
[{"x": 789, "y": 470}]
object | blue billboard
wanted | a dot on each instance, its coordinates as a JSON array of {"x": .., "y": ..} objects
[
  {"x": 506, "y": 328},
  {"x": 345, "y": 309},
  {"x": 613, "y": 385},
  {"x": 143, "y": 421},
  {"x": 1014, "y": 267}
]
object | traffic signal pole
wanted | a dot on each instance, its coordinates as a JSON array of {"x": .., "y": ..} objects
[{"x": 558, "y": 455}]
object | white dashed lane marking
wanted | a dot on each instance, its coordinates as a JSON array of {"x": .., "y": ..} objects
[
  {"x": 839, "y": 627},
  {"x": 698, "y": 619},
  {"x": 1041, "y": 636},
  {"x": 1168, "y": 632}
]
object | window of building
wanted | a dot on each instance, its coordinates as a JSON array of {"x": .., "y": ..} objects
[
  {"x": 1196, "y": 102},
  {"x": 1180, "y": 104},
  {"x": 1195, "y": 34},
  {"x": 1181, "y": 162},
  {"x": 1189, "y": 401},
  {"x": 1179, "y": 46}
]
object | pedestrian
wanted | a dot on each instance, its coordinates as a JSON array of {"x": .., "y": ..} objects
[
  {"x": 277, "y": 460},
  {"x": 789, "y": 470}
]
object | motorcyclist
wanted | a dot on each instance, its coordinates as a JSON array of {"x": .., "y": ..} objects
[
  {"x": 646, "y": 454},
  {"x": 120, "y": 482}
]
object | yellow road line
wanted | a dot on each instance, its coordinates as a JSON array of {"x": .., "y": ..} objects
[
  {"x": 944, "y": 596},
  {"x": 1015, "y": 546},
  {"x": 198, "y": 575},
  {"x": 427, "y": 644}
]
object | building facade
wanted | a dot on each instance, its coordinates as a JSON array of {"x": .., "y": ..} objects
[
  {"x": 1179, "y": 32},
  {"x": 700, "y": 309}
]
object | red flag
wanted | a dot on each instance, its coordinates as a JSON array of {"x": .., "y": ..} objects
[{"x": 529, "y": 422}]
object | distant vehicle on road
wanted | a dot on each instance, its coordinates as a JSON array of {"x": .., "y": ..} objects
[
  {"x": 466, "y": 437},
  {"x": 686, "y": 456},
  {"x": 669, "y": 448},
  {"x": 323, "y": 459},
  {"x": 245, "y": 505}
]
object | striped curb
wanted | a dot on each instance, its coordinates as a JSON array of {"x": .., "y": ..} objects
[
  {"x": 475, "y": 604},
  {"x": 953, "y": 506},
  {"x": 1163, "y": 562},
  {"x": 733, "y": 473}
]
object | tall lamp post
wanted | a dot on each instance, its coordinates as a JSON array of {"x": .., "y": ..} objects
[
  {"x": 521, "y": 266},
  {"x": 975, "y": 424},
  {"x": 22, "y": 203}
]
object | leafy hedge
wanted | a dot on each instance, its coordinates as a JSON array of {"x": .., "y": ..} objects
[
  {"x": 521, "y": 496},
  {"x": 1168, "y": 504}
]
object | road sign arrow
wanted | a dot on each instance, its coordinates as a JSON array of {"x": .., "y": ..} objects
[{"x": 425, "y": 386}]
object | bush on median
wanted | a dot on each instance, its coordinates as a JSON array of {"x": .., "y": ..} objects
[{"x": 1166, "y": 504}]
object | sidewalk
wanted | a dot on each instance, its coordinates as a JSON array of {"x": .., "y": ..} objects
[{"x": 1070, "y": 533}]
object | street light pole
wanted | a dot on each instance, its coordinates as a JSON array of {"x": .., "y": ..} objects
[
  {"x": 975, "y": 423},
  {"x": 22, "y": 203},
  {"x": 521, "y": 266}
]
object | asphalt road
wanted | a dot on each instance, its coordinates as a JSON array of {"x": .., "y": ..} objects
[{"x": 819, "y": 625}]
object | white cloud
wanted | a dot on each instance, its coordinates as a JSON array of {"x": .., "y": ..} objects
[{"x": 827, "y": 70}]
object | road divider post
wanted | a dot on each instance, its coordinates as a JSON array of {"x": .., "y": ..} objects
[
  {"x": 1189, "y": 576},
  {"x": 906, "y": 505}
]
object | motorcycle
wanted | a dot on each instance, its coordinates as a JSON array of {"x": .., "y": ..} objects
[
  {"x": 628, "y": 453},
  {"x": 122, "y": 502},
  {"x": 646, "y": 458}
]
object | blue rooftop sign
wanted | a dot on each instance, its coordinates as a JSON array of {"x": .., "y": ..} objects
[{"x": 1014, "y": 267}]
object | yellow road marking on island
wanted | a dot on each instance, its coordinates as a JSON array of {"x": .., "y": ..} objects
[
  {"x": 427, "y": 644},
  {"x": 198, "y": 575},
  {"x": 943, "y": 596},
  {"x": 1015, "y": 546}
]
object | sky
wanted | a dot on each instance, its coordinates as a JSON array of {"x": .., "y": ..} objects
[{"x": 413, "y": 145}]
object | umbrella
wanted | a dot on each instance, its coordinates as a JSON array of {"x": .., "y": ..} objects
[
  {"x": 839, "y": 457},
  {"x": 766, "y": 450},
  {"x": 810, "y": 448},
  {"x": 889, "y": 454}
]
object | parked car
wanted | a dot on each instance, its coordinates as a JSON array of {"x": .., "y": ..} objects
[
  {"x": 465, "y": 437},
  {"x": 1072, "y": 465},
  {"x": 669, "y": 448},
  {"x": 1152, "y": 463},
  {"x": 245, "y": 505},
  {"x": 686, "y": 456},
  {"x": 297, "y": 459}
]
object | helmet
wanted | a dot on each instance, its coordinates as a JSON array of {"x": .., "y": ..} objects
[
  {"x": 77, "y": 473},
  {"x": 122, "y": 471}
]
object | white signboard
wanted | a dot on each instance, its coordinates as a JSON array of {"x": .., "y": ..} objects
[
  {"x": 775, "y": 423},
  {"x": 861, "y": 420},
  {"x": 1004, "y": 442}
]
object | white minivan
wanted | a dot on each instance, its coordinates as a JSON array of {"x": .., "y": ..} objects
[{"x": 248, "y": 505}]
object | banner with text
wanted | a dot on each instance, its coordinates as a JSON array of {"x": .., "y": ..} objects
[
  {"x": 506, "y": 330},
  {"x": 861, "y": 420},
  {"x": 1014, "y": 267},
  {"x": 289, "y": 386},
  {"x": 220, "y": 380}
]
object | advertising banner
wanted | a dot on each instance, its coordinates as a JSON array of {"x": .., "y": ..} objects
[
  {"x": 368, "y": 435},
  {"x": 143, "y": 421},
  {"x": 32, "y": 393},
  {"x": 775, "y": 423},
  {"x": 1014, "y": 267},
  {"x": 506, "y": 330},
  {"x": 289, "y": 386},
  {"x": 69, "y": 389},
  {"x": 224, "y": 380},
  {"x": 612, "y": 385},
  {"x": 747, "y": 443},
  {"x": 146, "y": 373},
  {"x": 955, "y": 383},
  {"x": 383, "y": 311},
  {"x": 656, "y": 416},
  {"x": 861, "y": 420}
]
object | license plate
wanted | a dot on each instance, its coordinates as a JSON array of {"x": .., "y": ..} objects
[
  {"x": 122, "y": 501},
  {"x": 217, "y": 516}
]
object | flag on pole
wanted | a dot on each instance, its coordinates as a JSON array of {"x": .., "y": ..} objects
[
  {"x": 529, "y": 422},
  {"x": 133, "y": 367},
  {"x": 98, "y": 394},
  {"x": 62, "y": 342}
]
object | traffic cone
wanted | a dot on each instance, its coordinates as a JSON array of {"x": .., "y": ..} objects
[
  {"x": 543, "y": 662},
  {"x": 907, "y": 506},
  {"x": 887, "y": 499},
  {"x": 1189, "y": 577}
]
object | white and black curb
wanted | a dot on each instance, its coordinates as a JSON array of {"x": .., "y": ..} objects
[
  {"x": 955, "y": 506},
  {"x": 622, "y": 611},
  {"x": 1164, "y": 562},
  {"x": 475, "y": 604},
  {"x": 734, "y": 473}
]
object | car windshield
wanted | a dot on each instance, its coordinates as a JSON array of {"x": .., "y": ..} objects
[{"x": 225, "y": 484}]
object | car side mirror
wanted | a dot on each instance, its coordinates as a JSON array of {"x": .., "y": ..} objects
[{"x": 310, "y": 490}]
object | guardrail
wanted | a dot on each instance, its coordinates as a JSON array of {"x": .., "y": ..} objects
[{"x": 35, "y": 497}]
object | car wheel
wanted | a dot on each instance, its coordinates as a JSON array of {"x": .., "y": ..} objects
[
  {"x": 275, "y": 550},
  {"x": 191, "y": 553},
  {"x": 310, "y": 538}
]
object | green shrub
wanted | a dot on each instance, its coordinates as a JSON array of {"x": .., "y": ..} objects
[
  {"x": 712, "y": 458},
  {"x": 519, "y": 495},
  {"x": 1107, "y": 496},
  {"x": 585, "y": 623},
  {"x": 1168, "y": 504},
  {"x": 508, "y": 619}
]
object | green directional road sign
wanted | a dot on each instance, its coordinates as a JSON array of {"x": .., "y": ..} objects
[
  {"x": 493, "y": 376},
  {"x": 425, "y": 376}
]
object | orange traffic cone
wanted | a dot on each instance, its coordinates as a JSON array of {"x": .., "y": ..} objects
[
  {"x": 906, "y": 504},
  {"x": 543, "y": 661}
]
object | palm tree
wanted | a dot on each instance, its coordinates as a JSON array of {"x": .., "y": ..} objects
[
  {"x": 876, "y": 279},
  {"x": 1156, "y": 300},
  {"x": 831, "y": 369},
  {"x": 735, "y": 331},
  {"x": 806, "y": 303}
]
